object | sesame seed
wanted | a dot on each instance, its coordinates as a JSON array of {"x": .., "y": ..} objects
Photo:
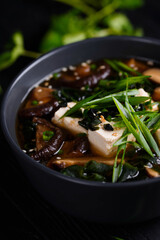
[
  {"x": 75, "y": 73},
  {"x": 102, "y": 67},
  {"x": 84, "y": 64},
  {"x": 72, "y": 68},
  {"x": 64, "y": 69},
  {"x": 82, "y": 88},
  {"x": 31, "y": 150},
  {"x": 49, "y": 77},
  {"x": 39, "y": 90}
]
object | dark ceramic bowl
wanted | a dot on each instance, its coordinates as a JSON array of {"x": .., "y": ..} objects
[{"x": 94, "y": 201}]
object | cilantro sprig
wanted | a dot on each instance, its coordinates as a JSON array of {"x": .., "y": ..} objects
[
  {"x": 85, "y": 19},
  {"x": 15, "y": 50}
]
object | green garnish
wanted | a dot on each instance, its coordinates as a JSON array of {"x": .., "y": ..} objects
[
  {"x": 14, "y": 51},
  {"x": 34, "y": 102},
  {"x": 121, "y": 147},
  {"x": 154, "y": 121},
  {"x": 140, "y": 131},
  {"x": 132, "y": 126},
  {"x": 79, "y": 105},
  {"x": 121, "y": 84},
  {"x": 89, "y": 102},
  {"x": 124, "y": 67},
  {"x": 93, "y": 66},
  {"x": 85, "y": 19},
  {"x": 47, "y": 135},
  {"x": 56, "y": 75},
  {"x": 108, "y": 99}
]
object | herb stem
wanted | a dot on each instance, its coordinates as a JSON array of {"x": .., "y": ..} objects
[
  {"x": 79, "y": 5},
  {"x": 106, "y": 11},
  {"x": 31, "y": 54}
]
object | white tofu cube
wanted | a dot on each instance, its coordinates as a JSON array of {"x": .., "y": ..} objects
[
  {"x": 102, "y": 141},
  {"x": 71, "y": 124},
  {"x": 142, "y": 93}
]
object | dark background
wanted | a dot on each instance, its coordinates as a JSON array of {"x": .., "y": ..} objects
[{"x": 23, "y": 213}]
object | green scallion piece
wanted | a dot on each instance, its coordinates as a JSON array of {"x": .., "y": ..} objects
[
  {"x": 34, "y": 102},
  {"x": 56, "y": 75},
  {"x": 47, "y": 135},
  {"x": 126, "y": 116},
  {"x": 93, "y": 66}
]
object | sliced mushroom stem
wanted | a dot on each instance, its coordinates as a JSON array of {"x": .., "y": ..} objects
[
  {"x": 151, "y": 173},
  {"x": 154, "y": 73},
  {"x": 63, "y": 163},
  {"x": 156, "y": 94}
]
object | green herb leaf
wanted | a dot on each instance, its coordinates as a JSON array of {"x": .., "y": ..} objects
[
  {"x": 9, "y": 57},
  {"x": 119, "y": 23}
]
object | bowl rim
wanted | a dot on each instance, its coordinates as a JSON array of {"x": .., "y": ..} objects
[{"x": 16, "y": 148}]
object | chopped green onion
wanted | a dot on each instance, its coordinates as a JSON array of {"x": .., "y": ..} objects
[
  {"x": 93, "y": 66},
  {"x": 108, "y": 98},
  {"x": 56, "y": 75},
  {"x": 79, "y": 105},
  {"x": 134, "y": 129},
  {"x": 120, "y": 66},
  {"x": 34, "y": 102},
  {"x": 154, "y": 120},
  {"x": 147, "y": 134},
  {"x": 121, "y": 147},
  {"x": 113, "y": 65},
  {"x": 47, "y": 135}
]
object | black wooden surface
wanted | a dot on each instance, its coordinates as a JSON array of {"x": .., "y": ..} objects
[{"x": 23, "y": 213}]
